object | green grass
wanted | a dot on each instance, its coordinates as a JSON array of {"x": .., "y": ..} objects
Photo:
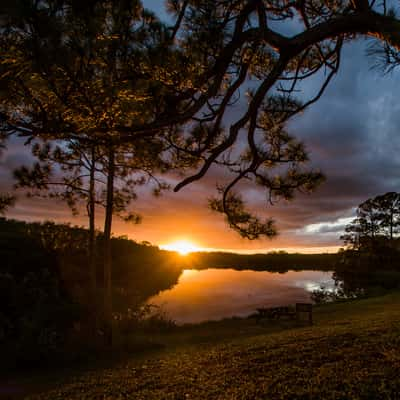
[{"x": 351, "y": 352}]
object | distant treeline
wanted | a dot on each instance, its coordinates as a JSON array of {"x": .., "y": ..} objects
[{"x": 275, "y": 262}]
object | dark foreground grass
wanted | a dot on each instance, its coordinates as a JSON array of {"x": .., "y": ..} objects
[{"x": 352, "y": 352}]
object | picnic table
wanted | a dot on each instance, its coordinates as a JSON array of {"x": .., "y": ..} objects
[{"x": 286, "y": 312}]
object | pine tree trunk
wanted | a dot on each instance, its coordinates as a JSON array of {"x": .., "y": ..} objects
[
  {"x": 107, "y": 249},
  {"x": 92, "y": 242}
]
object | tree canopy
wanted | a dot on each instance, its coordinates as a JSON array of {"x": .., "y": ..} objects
[
  {"x": 73, "y": 73},
  {"x": 193, "y": 72},
  {"x": 377, "y": 223}
]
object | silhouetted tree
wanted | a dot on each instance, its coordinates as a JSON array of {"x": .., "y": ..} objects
[
  {"x": 377, "y": 221},
  {"x": 69, "y": 85},
  {"x": 388, "y": 206},
  {"x": 363, "y": 230},
  {"x": 75, "y": 181},
  {"x": 74, "y": 173}
]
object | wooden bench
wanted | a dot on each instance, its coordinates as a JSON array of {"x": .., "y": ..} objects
[
  {"x": 275, "y": 313},
  {"x": 285, "y": 311}
]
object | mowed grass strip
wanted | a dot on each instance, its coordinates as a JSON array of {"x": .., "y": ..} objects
[{"x": 352, "y": 352}]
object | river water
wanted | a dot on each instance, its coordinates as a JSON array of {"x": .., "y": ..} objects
[{"x": 213, "y": 294}]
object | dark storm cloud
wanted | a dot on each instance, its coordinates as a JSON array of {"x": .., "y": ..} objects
[{"x": 352, "y": 135}]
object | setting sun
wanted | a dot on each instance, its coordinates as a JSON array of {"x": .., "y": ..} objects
[{"x": 183, "y": 247}]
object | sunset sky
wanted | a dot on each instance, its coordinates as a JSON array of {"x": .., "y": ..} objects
[{"x": 351, "y": 134}]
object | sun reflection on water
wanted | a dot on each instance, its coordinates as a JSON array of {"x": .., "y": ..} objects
[{"x": 211, "y": 294}]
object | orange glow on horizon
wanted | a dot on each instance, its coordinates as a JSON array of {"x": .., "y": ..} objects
[
  {"x": 188, "y": 222},
  {"x": 183, "y": 247}
]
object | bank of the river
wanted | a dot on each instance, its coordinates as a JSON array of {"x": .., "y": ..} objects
[{"x": 351, "y": 352}]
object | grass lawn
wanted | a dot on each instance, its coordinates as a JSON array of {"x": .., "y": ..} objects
[{"x": 351, "y": 352}]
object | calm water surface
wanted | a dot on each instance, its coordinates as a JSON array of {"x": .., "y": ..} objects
[{"x": 213, "y": 294}]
